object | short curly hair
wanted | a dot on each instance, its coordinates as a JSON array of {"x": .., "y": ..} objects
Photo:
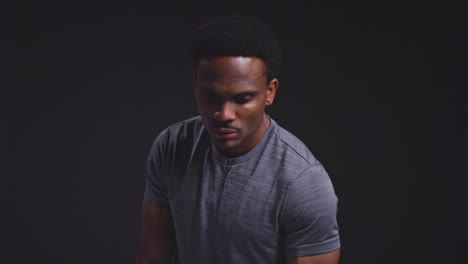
[{"x": 237, "y": 35}]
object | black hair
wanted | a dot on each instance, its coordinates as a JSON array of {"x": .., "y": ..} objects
[{"x": 237, "y": 35}]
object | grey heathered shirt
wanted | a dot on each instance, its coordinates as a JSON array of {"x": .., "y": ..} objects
[{"x": 274, "y": 201}]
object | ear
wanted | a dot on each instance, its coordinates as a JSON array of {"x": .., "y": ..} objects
[{"x": 271, "y": 91}]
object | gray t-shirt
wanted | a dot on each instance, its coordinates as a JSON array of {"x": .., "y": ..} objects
[{"x": 274, "y": 201}]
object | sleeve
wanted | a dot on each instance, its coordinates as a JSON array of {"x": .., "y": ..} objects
[
  {"x": 309, "y": 214},
  {"x": 156, "y": 189}
]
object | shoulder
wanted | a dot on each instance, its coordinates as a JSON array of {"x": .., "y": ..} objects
[
  {"x": 182, "y": 131},
  {"x": 286, "y": 156},
  {"x": 291, "y": 149},
  {"x": 178, "y": 139}
]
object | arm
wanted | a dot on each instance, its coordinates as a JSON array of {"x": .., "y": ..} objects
[
  {"x": 327, "y": 258},
  {"x": 310, "y": 228},
  {"x": 157, "y": 235}
]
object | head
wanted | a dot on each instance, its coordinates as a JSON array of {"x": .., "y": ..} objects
[{"x": 236, "y": 63}]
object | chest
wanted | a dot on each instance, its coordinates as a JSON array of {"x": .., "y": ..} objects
[{"x": 223, "y": 203}]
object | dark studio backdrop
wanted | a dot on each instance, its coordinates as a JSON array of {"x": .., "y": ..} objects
[{"x": 365, "y": 87}]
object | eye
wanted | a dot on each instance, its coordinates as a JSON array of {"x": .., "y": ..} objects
[{"x": 243, "y": 99}]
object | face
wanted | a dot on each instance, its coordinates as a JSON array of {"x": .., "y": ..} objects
[{"x": 231, "y": 94}]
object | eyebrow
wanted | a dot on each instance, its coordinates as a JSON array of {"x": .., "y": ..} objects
[
  {"x": 248, "y": 93},
  {"x": 211, "y": 93}
]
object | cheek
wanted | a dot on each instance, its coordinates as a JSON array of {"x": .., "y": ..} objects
[
  {"x": 203, "y": 107},
  {"x": 253, "y": 111},
  {"x": 255, "y": 105}
]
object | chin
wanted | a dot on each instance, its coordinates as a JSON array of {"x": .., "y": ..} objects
[{"x": 226, "y": 145}]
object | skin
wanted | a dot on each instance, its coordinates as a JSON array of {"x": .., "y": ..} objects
[
  {"x": 326, "y": 258},
  {"x": 157, "y": 243},
  {"x": 231, "y": 94}
]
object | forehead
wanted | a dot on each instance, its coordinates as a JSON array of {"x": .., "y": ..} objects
[{"x": 231, "y": 69}]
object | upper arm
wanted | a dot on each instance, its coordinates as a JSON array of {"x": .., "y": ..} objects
[
  {"x": 157, "y": 235},
  {"x": 309, "y": 226},
  {"x": 157, "y": 229},
  {"x": 326, "y": 258}
]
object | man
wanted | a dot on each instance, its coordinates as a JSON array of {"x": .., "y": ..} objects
[{"x": 231, "y": 185}]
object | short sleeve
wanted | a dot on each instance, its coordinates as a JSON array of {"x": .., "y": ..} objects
[
  {"x": 156, "y": 173},
  {"x": 309, "y": 214}
]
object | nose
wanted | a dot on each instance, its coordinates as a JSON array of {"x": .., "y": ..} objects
[{"x": 225, "y": 113}]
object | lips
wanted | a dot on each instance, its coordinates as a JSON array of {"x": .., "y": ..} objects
[
  {"x": 225, "y": 133},
  {"x": 225, "y": 130}
]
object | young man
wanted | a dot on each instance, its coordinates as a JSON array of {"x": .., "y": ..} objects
[{"x": 231, "y": 185}]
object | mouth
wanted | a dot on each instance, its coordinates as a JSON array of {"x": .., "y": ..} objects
[{"x": 225, "y": 133}]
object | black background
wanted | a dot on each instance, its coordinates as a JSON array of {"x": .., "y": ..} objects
[{"x": 374, "y": 91}]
